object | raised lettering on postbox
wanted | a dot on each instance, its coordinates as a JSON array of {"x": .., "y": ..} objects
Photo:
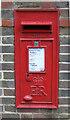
[{"x": 38, "y": 90}]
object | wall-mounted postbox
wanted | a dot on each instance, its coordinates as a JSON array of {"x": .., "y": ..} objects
[{"x": 36, "y": 58}]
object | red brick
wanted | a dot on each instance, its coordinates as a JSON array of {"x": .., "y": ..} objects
[
  {"x": 48, "y": 4},
  {"x": 7, "y": 23},
  {"x": 64, "y": 22},
  {"x": 7, "y": 4}
]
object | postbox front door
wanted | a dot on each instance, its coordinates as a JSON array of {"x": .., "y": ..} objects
[{"x": 36, "y": 60}]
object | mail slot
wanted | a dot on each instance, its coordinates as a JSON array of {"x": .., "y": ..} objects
[
  {"x": 36, "y": 58},
  {"x": 37, "y": 27}
]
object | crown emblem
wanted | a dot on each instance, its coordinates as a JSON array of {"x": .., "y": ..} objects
[{"x": 38, "y": 80}]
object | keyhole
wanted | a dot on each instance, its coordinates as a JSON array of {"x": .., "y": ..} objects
[{"x": 27, "y": 74}]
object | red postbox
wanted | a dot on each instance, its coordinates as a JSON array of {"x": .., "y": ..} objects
[{"x": 36, "y": 58}]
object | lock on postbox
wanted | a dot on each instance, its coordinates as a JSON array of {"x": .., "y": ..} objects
[{"x": 36, "y": 58}]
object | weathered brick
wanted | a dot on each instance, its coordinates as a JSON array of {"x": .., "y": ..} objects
[
  {"x": 8, "y": 49},
  {"x": 28, "y": 110},
  {"x": 8, "y": 75},
  {"x": 0, "y": 92},
  {"x": 64, "y": 67},
  {"x": 0, "y": 40},
  {"x": 62, "y": 4},
  {"x": 56, "y": 111},
  {"x": 7, "y": 66},
  {"x": 48, "y": 4},
  {"x": 1, "y": 116},
  {"x": 0, "y": 57},
  {"x": 63, "y": 101},
  {"x": 8, "y": 57},
  {"x": 8, "y": 100},
  {"x": 7, "y": 31},
  {"x": 10, "y": 108},
  {"x": 44, "y": 115},
  {"x": 10, "y": 116},
  {"x": 9, "y": 92},
  {"x": 1, "y": 108},
  {"x": 0, "y": 66},
  {"x": 64, "y": 49},
  {"x": 63, "y": 116},
  {"x": 64, "y": 84},
  {"x": 0, "y": 49},
  {"x": 7, "y": 23},
  {"x": 0, "y": 31},
  {"x": 64, "y": 31},
  {"x": 64, "y": 22},
  {"x": 64, "y": 40},
  {"x": 68, "y": 116},
  {"x": 7, "y": 14},
  {"x": 52, "y": 111},
  {"x": 49, "y": 117},
  {"x": 0, "y": 75},
  {"x": 64, "y": 76},
  {"x": 69, "y": 109},
  {"x": 26, "y": 4},
  {"x": 64, "y": 58},
  {"x": 64, "y": 13},
  {"x": 64, "y": 93},
  {"x": 8, "y": 40},
  {"x": 26, "y": 116},
  {"x": 7, "y": 84}
]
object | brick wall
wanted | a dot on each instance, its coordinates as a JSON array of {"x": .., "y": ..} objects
[{"x": 7, "y": 78}]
